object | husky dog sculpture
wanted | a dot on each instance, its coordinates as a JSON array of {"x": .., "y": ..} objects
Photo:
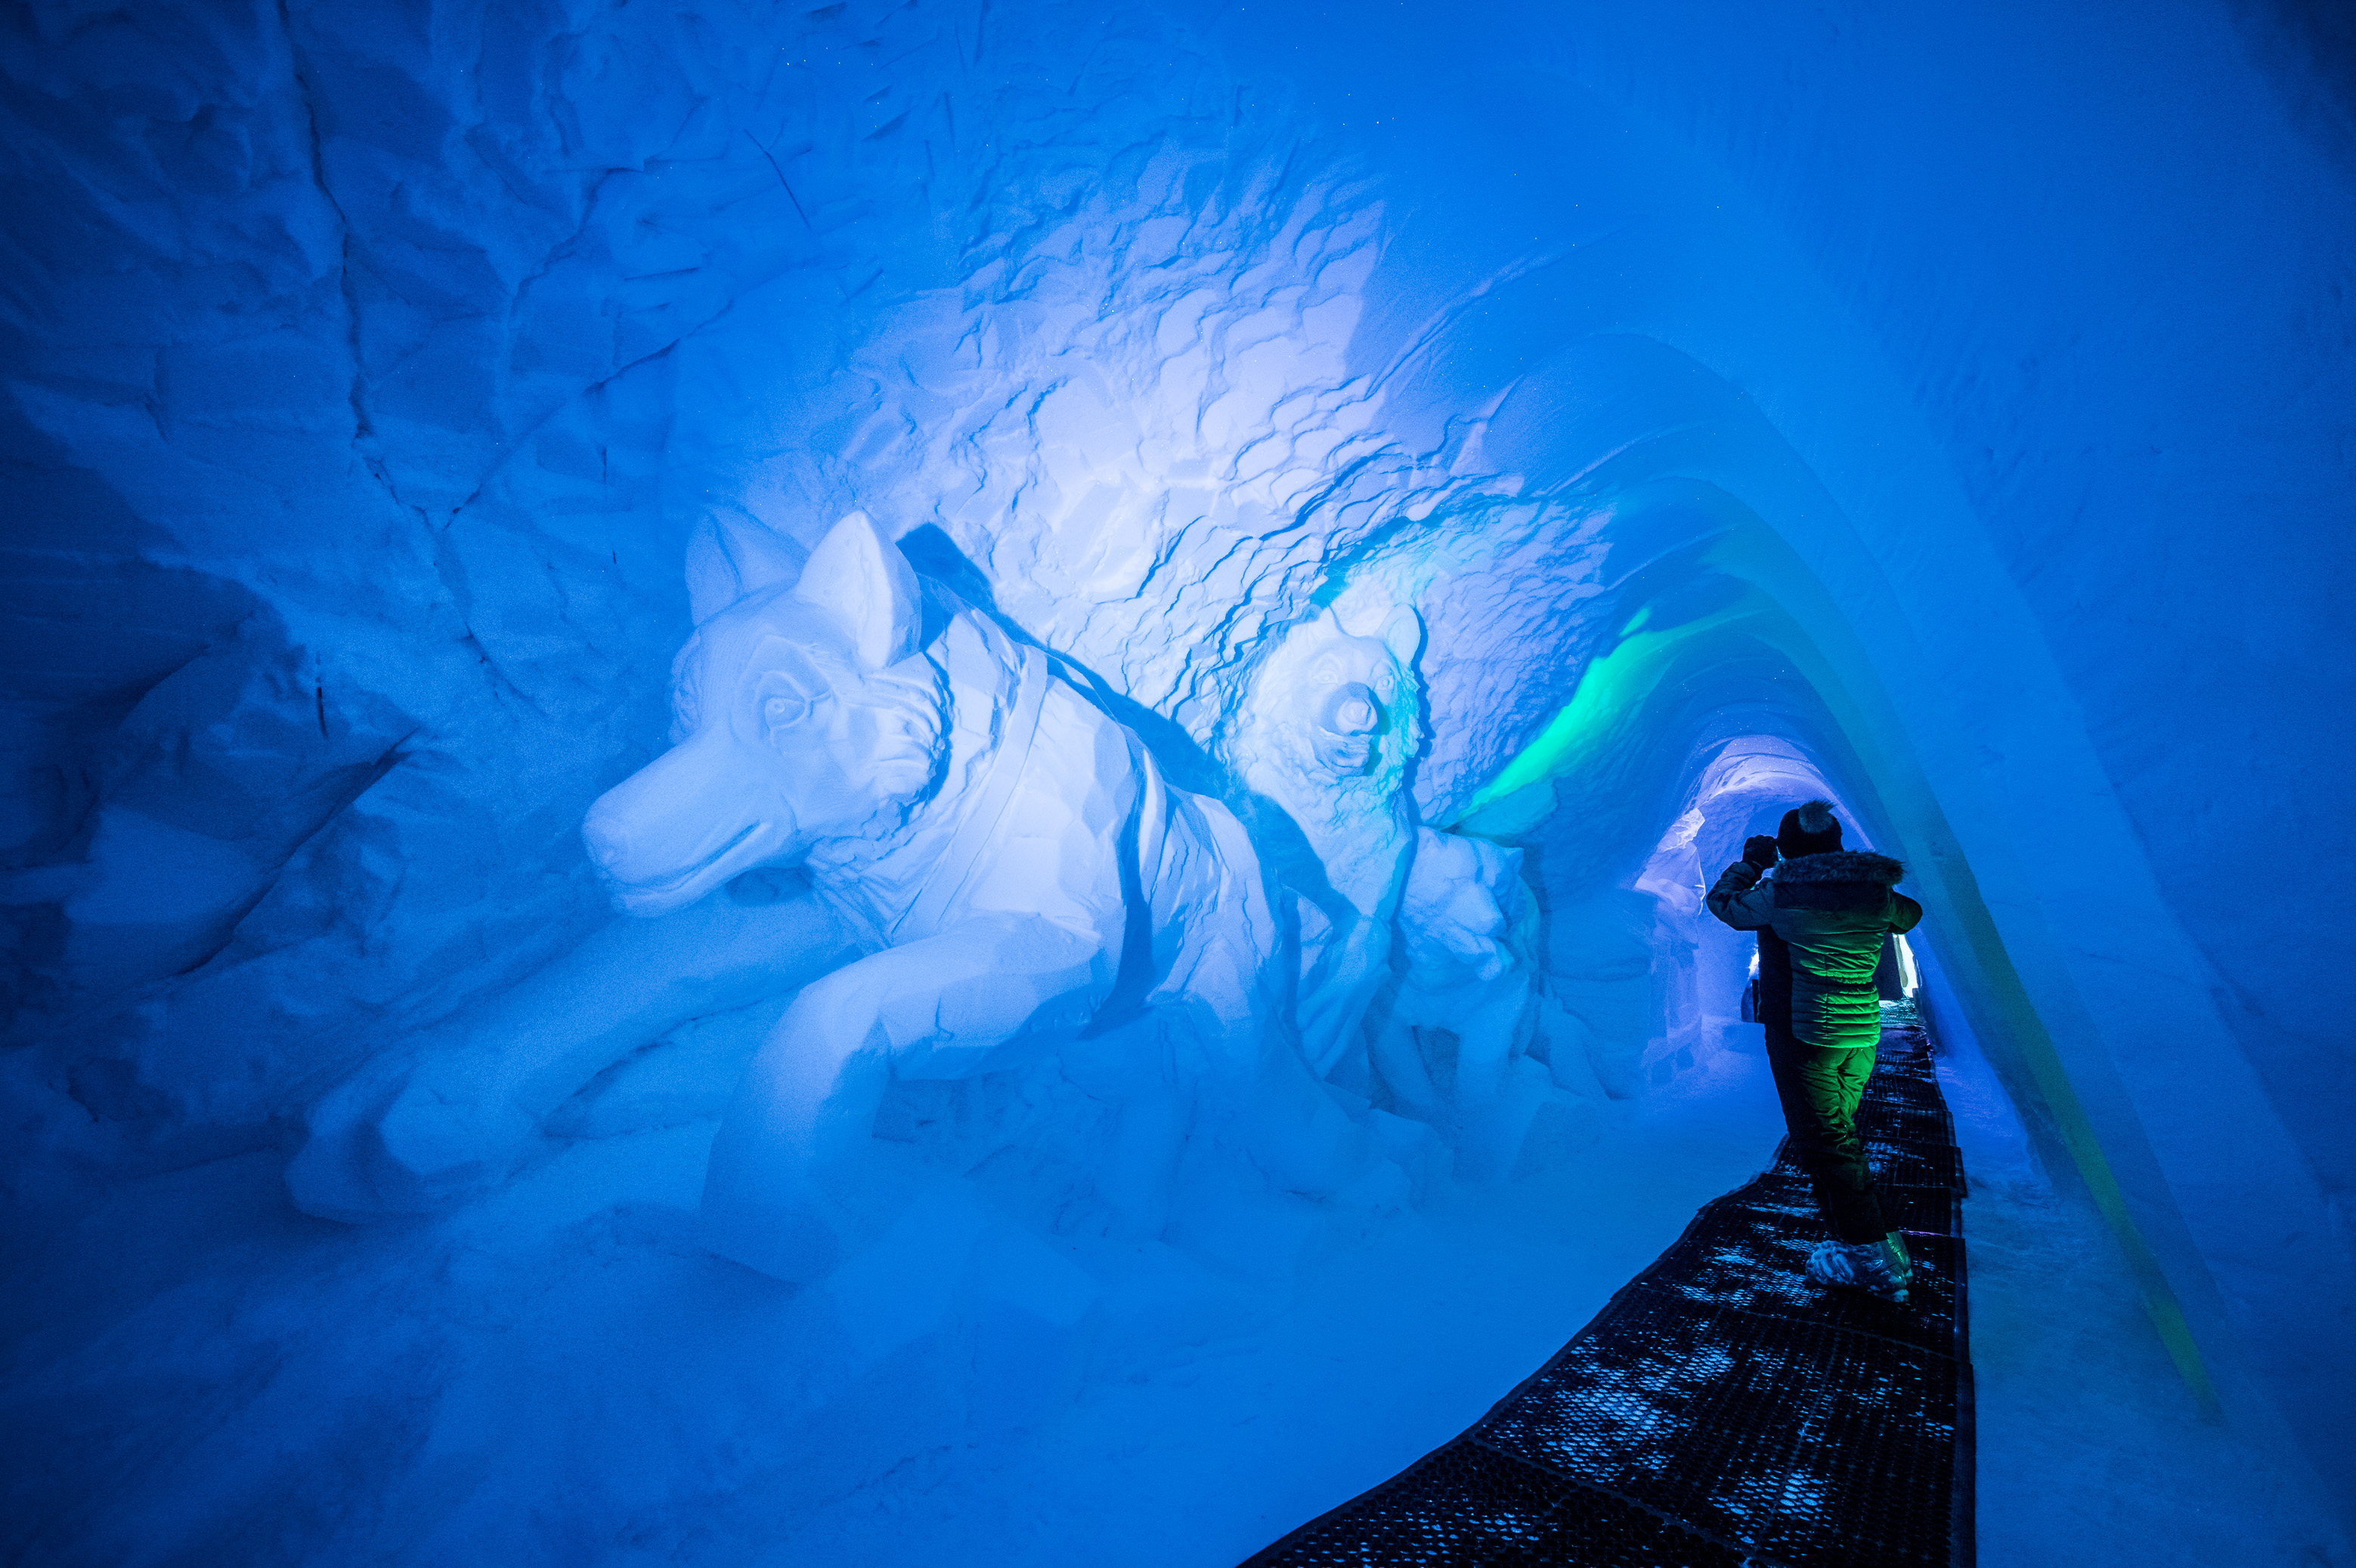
[
  {"x": 1026, "y": 877},
  {"x": 1446, "y": 1038},
  {"x": 1326, "y": 737}
]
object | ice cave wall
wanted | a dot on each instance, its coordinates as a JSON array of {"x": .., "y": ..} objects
[{"x": 1961, "y": 402}]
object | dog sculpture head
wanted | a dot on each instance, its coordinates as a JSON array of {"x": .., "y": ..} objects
[
  {"x": 801, "y": 714},
  {"x": 1333, "y": 708}
]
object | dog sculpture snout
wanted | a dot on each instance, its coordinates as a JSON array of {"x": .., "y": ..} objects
[{"x": 682, "y": 826}]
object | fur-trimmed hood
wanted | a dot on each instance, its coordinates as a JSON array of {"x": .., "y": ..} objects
[{"x": 1842, "y": 866}]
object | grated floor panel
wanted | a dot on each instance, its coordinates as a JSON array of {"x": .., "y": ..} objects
[{"x": 1722, "y": 1409}]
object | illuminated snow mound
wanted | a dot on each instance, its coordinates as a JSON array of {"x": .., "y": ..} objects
[{"x": 898, "y": 711}]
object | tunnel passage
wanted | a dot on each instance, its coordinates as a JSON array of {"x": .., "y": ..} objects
[
  {"x": 1638, "y": 350},
  {"x": 1722, "y": 1410},
  {"x": 1643, "y": 976}
]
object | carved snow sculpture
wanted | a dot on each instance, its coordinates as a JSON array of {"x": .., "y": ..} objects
[
  {"x": 438, "y": 1120},
  {"x": 434, "y": 1121},
  {"x": 1328, "y": 730},
  {"x": 1448, "y": 1037},
  {"x": 1028, "y": 877},
  {"x": 1602, "y": 958}
]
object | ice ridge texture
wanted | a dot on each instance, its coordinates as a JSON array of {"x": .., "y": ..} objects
[{"x": 1437, "y": 483}]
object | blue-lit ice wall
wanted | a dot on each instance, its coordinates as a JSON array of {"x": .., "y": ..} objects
[{"x": 1958, "y": 405}]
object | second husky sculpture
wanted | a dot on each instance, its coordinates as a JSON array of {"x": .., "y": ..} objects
[{"x": 1029, "y": 879}]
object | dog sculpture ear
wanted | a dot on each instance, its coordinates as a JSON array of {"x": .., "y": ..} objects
[
  {"x": 861, "y": 578},
  {"x": 1403, "y": 634},
  {"x": 728, "y": 559}
]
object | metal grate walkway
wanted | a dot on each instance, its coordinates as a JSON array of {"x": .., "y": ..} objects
[{"x": 1721, "y": 1408}]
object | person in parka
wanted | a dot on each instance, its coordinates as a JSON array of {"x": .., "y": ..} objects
[{"x": 1821, "y": 917}]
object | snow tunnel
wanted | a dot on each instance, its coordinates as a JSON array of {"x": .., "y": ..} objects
[{"x": 931, "y": 781}]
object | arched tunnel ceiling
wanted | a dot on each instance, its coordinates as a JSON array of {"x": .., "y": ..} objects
[{"x": 1180, "y": 323}]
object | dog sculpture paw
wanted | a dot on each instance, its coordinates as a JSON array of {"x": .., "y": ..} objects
[{"x": 400, "y": 1144}]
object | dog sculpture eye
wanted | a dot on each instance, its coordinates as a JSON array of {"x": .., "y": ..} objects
[{"x": 781, "y": 709}]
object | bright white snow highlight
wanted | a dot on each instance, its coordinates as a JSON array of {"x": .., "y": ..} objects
[{"x": 937, "y": 774}]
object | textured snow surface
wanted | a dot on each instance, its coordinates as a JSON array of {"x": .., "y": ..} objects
[
  {"x": 1684, "y": 413},
  {"x": 562, "y": 1376}
]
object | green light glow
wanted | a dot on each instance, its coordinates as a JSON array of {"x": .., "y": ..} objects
[{"x": 1612, "y": 683}]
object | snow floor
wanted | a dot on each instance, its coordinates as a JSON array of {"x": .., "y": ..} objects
[
  {"x": 197, "y": 1374},
  {"x": 2092, "y": 1450}
]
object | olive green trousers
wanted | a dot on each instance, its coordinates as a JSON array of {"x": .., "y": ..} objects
[{"x": 1820, "y": 1090}]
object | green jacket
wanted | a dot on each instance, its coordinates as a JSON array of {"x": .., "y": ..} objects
[{"x": 1832, "y": 912}]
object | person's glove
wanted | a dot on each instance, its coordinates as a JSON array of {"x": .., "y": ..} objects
[{"x": 1760, "y": 851}]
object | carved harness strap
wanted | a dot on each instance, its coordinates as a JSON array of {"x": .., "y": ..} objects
[{"x": 975, "y": 834}]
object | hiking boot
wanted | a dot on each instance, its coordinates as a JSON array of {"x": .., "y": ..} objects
[
  {"x": 1901, "y": 1265},
  {"x": 1861, "y": 1265}
]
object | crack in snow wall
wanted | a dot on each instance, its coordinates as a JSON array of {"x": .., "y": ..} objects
[{"x": 372, "y": 371}]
